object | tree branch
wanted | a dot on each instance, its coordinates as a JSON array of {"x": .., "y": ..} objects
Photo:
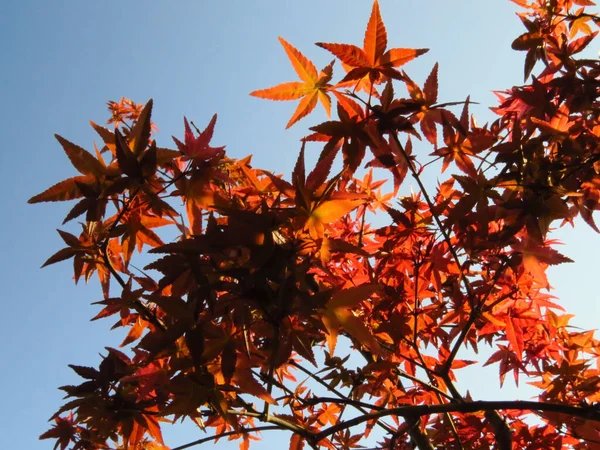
[
  {"x": 229, "y": 433},
  {"x": 437, "y": 220},
  {"x": 585, "y": 412},
  {"x": 502, "y": 432},
  {"x": 474, "y": 314},
  {"x": 342, "y": 398}
]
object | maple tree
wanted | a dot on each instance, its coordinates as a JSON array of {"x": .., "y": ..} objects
[{"x": 235, "y": 324}]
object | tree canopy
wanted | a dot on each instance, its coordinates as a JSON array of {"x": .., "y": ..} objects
[{"x": 246, "y": 319}]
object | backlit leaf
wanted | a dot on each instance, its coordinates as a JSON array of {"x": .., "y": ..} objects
[
  {"x": 65, "y": 190},
  {"x": 140, "y": 133},
  {"x": 312, "y": 89},
  {"x": 82, "y": 160}
]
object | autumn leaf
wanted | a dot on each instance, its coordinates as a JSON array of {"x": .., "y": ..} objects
[
  {"x": 532, "y": 41},
  {"x": 127, "y": 160},
  {"x": 137, "y": 229},
  {"x": 328, "y": 211},
  {"x": 427, "y": 116},
  {"x": 388, "y": 155},
  {"x": 348, "y": 132},
  {"x": 107, "y": 136},
  {"x": 350, "y": 298},
  {"x": 139, "y": 136},
  {"x": 200, "y": 196},
  {"x": 65, "y": 190},
  {"x": 559, "y": 124},
  {"x": 312, "y": 88},
  {"x": 243, "y": 306},
  {"x": 75, "y": 248},
  {"x": 316, "y": 199},
  {"x": 328, "y": 414},
  {"x": 514, "y": 335},
  {"x": 63, "y": 431},
  {"x": 296, "y": 442},
  {"x": 536, "y": 258},
  {"x": 197, "y": 148},
  {"x": 91, "y": 168},
  {"x": 338, "y": 313},
  {"x": 81, "y": 159},
  {"x": 372, "y": 60},
  {"x": 459, "y": 145},
  {"x": 135, "y": 332},
  {"x": 245, "y": 380}
]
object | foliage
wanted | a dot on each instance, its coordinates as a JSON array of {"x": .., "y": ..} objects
[{"x": 236, "y": 320}]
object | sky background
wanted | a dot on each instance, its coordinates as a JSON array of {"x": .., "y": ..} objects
[{"x": 62, "y": 61}]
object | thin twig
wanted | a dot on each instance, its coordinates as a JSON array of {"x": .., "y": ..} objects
[
  {"x": 228, "y": 433},
  {"x": 473, "y": 316},
  {"x": 437, "y": 220},
  {"x": 344, "y": 399}
]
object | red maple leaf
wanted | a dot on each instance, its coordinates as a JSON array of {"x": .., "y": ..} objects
[
  {"x": 373, "y": 60},
  {"x": 197, "y": 148}
]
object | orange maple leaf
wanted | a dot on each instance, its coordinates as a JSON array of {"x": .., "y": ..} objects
[
  {"x": 316, "y": 199},
  {"x": 338, "y": 314},
  {"x": 311, "y": 89},
  {"x": 536, "y": 258},
  {"x": 372, "y": 60}
]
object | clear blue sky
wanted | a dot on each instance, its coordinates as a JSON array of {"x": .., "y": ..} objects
[{"x": 61, "y": 61}]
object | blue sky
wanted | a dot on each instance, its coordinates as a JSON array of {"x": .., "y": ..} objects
[{"x": 63, "y": 60}]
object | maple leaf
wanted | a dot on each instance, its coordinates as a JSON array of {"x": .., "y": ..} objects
[
  {"x": 373, "y": 60},
  {"x": 376, "y": 200},
  {"x": 312, "y": 88},
  {"x": 559, "y": 125},
  {"x": 328, "y": 414},
  {"x": 388, "y": 155},
  {"x": 459, "y": 145},
  {"x": 317, "y": 201},
  {"x": 514, "y": 335},
  {"x": 428, "y": 115},
  {"x": 76, "y": 247},
  {"x": 363, "y": 85},
  {"x": 296, "y": 442},
  {"x": 82, "y": 160},
  {"x": 137, "y": 228},
  {"x": 90, "y": 168},
  {"x": 98, "y": 181},
  {"x": 200, "y": 195},
  {"x": 338, "y": 313},
  {"x": 63, "y": 431},
  {"x": 244, "y": 379},
  {"x": 163, "y": 155},
  {"x": 122, "y": 304},
  {"x": 347, "y": 132},
  {"x": 536, "y": 258},
  {"x": 135, "y": 332},
  {"x": 124, "y": 109},
  {"x": 280, "y": 269},
  {"x": 139, "y": 135},
  {"x": 197, "y": 148},
  {"x": 68, "y": 189}
]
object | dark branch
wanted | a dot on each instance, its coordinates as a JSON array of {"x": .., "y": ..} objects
[
  {"x": 585, "y": 412},
  {"x": 229, "y": 433}
]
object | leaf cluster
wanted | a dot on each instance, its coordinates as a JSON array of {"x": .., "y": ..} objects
[{"x": 236, "y": 322}]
